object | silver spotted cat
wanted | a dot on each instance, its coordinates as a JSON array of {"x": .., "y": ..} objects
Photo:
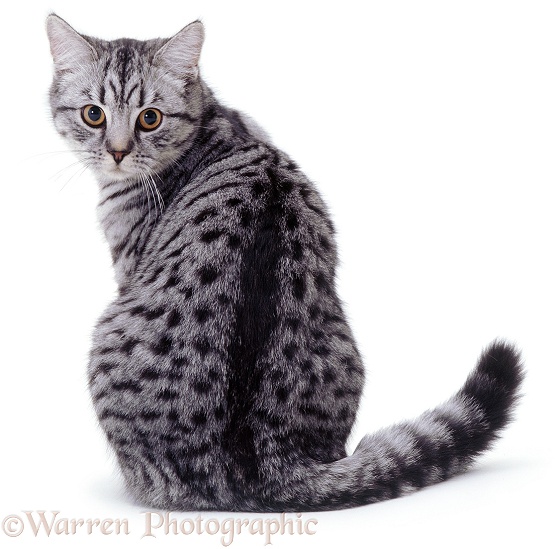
[{"x": 224, "y": 374}]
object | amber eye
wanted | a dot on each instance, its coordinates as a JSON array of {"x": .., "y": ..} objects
[
  {"x": 149, "y": 119},
  {"x": 93, "y": 116}
]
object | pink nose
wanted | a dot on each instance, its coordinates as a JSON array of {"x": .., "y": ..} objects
[{"x": 119, "y": 155}]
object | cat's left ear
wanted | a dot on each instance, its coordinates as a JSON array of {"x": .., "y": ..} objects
[
  {"x": 182, "y": 52},
  {"x": 69, "y": 48}
]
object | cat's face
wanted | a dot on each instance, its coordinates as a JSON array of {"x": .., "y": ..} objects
[{"x": 127, "y": 108}]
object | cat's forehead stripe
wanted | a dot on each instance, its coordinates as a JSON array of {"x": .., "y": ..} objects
[{"x": 121, "y": 67}]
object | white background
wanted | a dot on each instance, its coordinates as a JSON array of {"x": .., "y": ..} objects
[{"x": 432, "y": 130}]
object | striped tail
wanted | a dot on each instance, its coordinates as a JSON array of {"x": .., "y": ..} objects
[{"x": 410, "y": 455}]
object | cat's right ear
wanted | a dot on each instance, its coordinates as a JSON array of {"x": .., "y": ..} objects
[
  {"x": 68, "y": 48},
  {"x": 181, "y": 53}
]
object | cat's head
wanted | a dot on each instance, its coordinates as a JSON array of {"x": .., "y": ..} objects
[{"x": 127, "y": 107}]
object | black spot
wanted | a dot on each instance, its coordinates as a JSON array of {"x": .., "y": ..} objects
[
  {"x": 309, "y": 409},
  {"x": 304, "y": 191},
  {"x": 137, "y": 310},
  {"x": 329, "y": 376},
  {"x": 332, "y": 317},
  {"x": 321, "y": 283},
  {"x": 282, "y": 394},
  {"x": 167, "y": 394},
  {"x": 106, "y": 367},
  {"x": 172, "y": 281},
  {"x": 202, "y": 314},
  {"x": 286, "y": 186},
  {"x": 246, "y": 217},
  {"x": 199, "y": 417},
  {"x": 250, "y": 173},
  {"x": 202, "y": 345},
  {"x": 290, "y": 350},
  {"x": 291, "y": 221},
  {"x": 257, "y": 189},
  {"x": 213, "y": 374},
  {"x": 291, "y": 165},
  {"x": 297, "y": 250},
  {"x": 150, "y": 374},
  {"x": 150, "y": 415},
  {"x": 128, "y": 346},
  {"x": 219, "y": 412},
  {"x": 208, "y": 274},
  {"x": 105, "y": 414},
  {"x": 293, "y": 323},
  {"x": 175, "y": 374},
  {"x": 204, "y": 214},
  {"x": 174, "y": 253},
  {"x": 275, "y": 375},
  {"x": 163, "y": 346},
  {"x": 186, "y": 292},
  {"x": 155, "y": 275},
  {"x": 234, "y": 201},
  {"x": 318, "y": 334},
  {"x": 202, "y": 387},
  {"x": 173, "y": 416},
  {"x": 314, "y": 311},
  {"x": 98, "y": 396},
  {"x": 104, "y": 350},
  {"x": 307, "y": 394},
  {"x": 306, "y": 366},
  {"x": 324, "y": 242},
  {"x": 321, "y": 350},
  {"x": 200, "y": 450},
  {"x": 174, "y": 319},
  {"x": 343, "y": 414},
  {"x": 234, "y": 241},
  {"x": 299, "y": 286},
  {"x": 179, "y": 364},
  {"x": 223, "y": 299},
  {"x": 127, "y": 386},
  {"x": 272, "y": 420},
  {"x": 210, "y": 236},
  {"x": 152, "y": 314}
]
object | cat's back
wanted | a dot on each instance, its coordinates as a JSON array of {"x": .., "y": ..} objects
[{"x": 229, "y": 323}]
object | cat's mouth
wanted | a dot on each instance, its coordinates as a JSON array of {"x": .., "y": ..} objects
[{"x": 118, "y": 171}]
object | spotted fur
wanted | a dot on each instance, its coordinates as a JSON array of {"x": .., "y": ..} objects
[{"x": 224, "y": 374}]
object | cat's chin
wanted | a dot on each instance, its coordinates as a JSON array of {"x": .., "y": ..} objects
[{"x": 113, "y": 175}]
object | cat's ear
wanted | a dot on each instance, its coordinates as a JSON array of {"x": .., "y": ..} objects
[
  {"x": 181, "y": 53},
  {"x": 68, "y": 48}
]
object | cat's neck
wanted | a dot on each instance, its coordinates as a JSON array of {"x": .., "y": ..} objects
[{"x": 128, "y": 211}]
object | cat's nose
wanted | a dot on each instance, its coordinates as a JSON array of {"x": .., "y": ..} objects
[{"x": 119, "y": 155}]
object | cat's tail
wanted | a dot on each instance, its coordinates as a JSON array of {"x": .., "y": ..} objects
[{"x": 410, "y": 455}]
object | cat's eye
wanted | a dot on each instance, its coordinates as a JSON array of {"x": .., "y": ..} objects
[
  {"x": 93, "y": 116},
  {"x": 149, "y": 119}
]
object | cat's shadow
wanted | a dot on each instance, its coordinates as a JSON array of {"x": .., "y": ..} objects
[{"x": 111, "y": 490}]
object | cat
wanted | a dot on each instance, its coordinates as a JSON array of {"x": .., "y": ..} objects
[{"x": 225, "y": 374}]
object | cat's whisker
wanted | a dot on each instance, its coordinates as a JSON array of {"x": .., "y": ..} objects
[
  {"x": 151, "y": 174},
  {"x": 58, "y": 174},
  {"x": 143, "y": 178},
  {"x": 154, "y": 191},
  {"x": 82, "y": 167},
  {"x": 53, "y": 153}
]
